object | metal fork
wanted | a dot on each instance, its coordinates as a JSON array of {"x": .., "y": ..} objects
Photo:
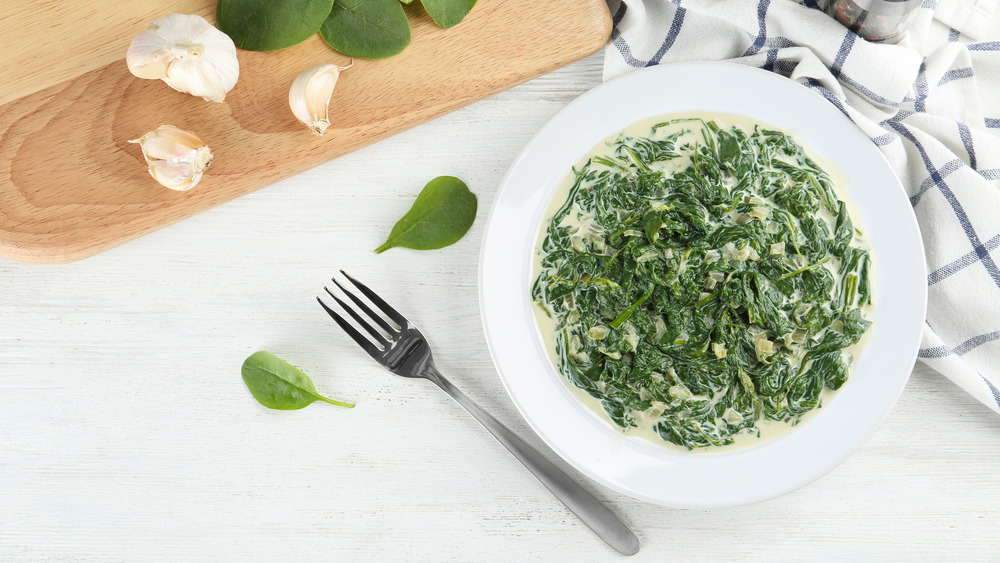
[{"x": 404, "y": 351}]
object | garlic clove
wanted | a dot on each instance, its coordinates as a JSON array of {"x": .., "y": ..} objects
[
  {"x": 174, "y": 174},
  {"x": 190, "y": 75},
  {"x": 187, "y": 53},
  {"x": 309, "y": 96},
  {"x": 164, "y": 148},
  {"x": 177, "y": 159},
  {"x": 147, "y": 55}
]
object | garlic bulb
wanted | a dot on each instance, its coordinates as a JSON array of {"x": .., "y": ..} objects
[
  {"x": 187, "y": 53},
  {"x": 176, "y": 158},
  {"x": 309, "y": 96}
]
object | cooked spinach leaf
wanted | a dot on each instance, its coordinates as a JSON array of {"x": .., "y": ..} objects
[
  {"x": 440, "y": 216},
  {"x": 277, "y": 384},
  {"x": 703, "y": 279}
]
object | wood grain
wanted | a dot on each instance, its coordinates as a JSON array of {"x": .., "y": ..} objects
[{"x": 71, "y": 185}]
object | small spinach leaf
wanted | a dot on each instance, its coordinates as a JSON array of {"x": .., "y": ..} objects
[
  {"x": 367, "y": 29},
  {"x": 267, "y": 25},
  {"x": 441, "y": 215},
  {"x": 276, "y": 384},
  {"x": 447, "y": 13}
]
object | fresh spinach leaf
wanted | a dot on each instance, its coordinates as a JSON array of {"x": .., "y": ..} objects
[
  {"x": 367, "y": 29},
  {"x": 267, "y": 25},
  {"x": 440, "y": 216},
  {"x": 276, "y": 384},
  {"x": 447, "y": 13}
]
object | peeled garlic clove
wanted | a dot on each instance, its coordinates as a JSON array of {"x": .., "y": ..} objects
[
  {"x": 176, "y": 158},
  {"x": 187, "y": 53},
  {"x": 309, "y": 96}
]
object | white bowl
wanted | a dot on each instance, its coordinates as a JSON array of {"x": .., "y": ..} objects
[{"x": 643, "y": 469}]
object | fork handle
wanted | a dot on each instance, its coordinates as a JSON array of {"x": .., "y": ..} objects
[{"x": 594, "y": 514}]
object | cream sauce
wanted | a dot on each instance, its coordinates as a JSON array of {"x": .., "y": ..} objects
[{"x": 546, "y": 326}]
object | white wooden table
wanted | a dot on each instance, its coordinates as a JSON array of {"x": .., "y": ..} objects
[{"x": 126, "y": 432}]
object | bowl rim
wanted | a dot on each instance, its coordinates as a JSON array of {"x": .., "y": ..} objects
[{"x": 613, "y": 477}]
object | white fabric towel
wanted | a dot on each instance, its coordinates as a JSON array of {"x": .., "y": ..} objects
[{"x": 931, "y": 103}]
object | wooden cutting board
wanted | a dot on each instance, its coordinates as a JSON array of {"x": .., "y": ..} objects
[{"x": 72, "y": 186}]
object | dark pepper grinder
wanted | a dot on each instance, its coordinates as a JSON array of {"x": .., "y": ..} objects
[{"x": 875, "y": 20}]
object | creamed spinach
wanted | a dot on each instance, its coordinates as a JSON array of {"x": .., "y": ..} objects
[{"x": 703, "y": 279}]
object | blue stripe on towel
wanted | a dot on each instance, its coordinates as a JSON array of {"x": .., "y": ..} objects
[
  {"x": 942, "y": 173},
  {"x": 993, "y": 389},
  {"x": 956, "y": 206},
  {"x": 845, "y": 49},
  {"x": 962, "y": 349},
  {"x": 950, "y": 269},
  {"x": 758, "y": 42},
  {"x": 955, "y": 74},
  {"x": 966, "y": 135},
  {"x": 622, "y": 46}
]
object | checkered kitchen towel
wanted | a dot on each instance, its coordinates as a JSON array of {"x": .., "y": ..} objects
[{"x": 931, "y": 103}]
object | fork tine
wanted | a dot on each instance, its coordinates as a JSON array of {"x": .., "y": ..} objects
[
  {"x": 379, "y": 339},
  {"x": 375, "y": 316},
  {"x": 366, "y": 344},
  {"x": 389, "y": 311}
]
